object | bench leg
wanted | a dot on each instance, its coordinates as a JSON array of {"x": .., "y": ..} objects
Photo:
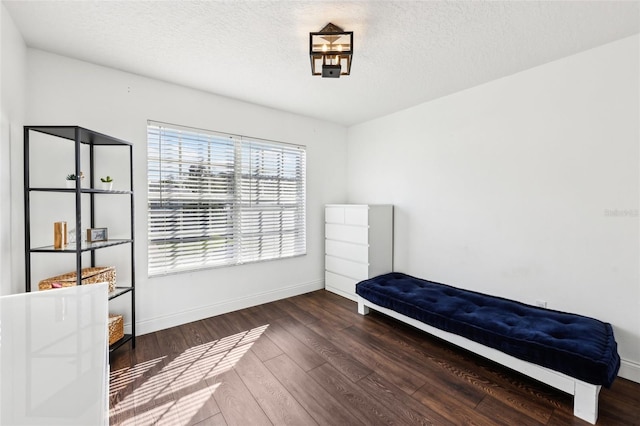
[
  {"x": 585, "y": 401},
  {"x": 362, "y": 310}
]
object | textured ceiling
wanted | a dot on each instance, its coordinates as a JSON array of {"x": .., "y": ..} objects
[{"x": 406, "y": 52}]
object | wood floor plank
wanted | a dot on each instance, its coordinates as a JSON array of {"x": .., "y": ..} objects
[
  {"x": 500, "y": 413},
  {"x": 265, "y": 349},
  {"x": 197, "y": 336},
  {"x": 217, "y": 420},
  {"x": 346, "y": 311},
  {"x": 265, "y": 313},
  {"x": 403, "y": 405},
  {"x": 236, "y": 323},
  {"x": 566, "y": 418},
  {"x": 222, "y": 326},
  {"x": 411, "y": 358},
  {"x": 194, "y": 333},
  {"x": 521, "y": 393},
  {"x": 306, "y": 358},
  {"x": 333, "y": 321},
  {"x": 121, "y": 384},
  {"x": 232, "y": 341},
  {"x": 339, "y": 359},
  {"x": 388, "y": 356},
  {"x": 320, "y": 404},
  {"x": 152, "y": 398},
  {"x": 236, "y": 402},
  {"x": 380, "y": 360},
  {"x": 336, "y": 299},
  {"x": 326, "y": 327},
  {"x": 617, "y": 403},
  {"x": 628, "y": 416},
  {"x": 449, "y": 407},
  {"x": 275, "y": 400},
  {"x": 186, "y": 368},
  {"x": 293, "y": 311},
  {"x": 408, "y": 338},
  {"x": 352, "y": 396},
  {"x": 617, "y": 412}
]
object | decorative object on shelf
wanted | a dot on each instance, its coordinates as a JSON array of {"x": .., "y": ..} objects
[
  {"x": 59, "y": 235},
  {"x": 96, "y": 234},
  {"x": 331, "y": 50},
  {"x": 107, "y": 183},
  {"x": 71, "y": 181},
  {"x": 96, "y": 274},
  {"x": 116, "y": 328}
]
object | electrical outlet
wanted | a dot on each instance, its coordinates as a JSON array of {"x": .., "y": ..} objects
[{"x": 541, "y": 303}]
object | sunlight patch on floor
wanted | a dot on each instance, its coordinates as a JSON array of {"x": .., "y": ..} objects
[
  {"x": 119, "y": 379},
  {"x": 173, "y": 412},
  {"x": 154, "y": 399}
]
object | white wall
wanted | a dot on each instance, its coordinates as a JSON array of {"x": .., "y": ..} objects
[
  {"x": 12, "y": 90},
  {"x": 63, "y": 91},
  {"x": 526, "y": 187}
]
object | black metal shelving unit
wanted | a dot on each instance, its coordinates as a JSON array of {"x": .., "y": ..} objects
[{"x": 81, "y": 136}]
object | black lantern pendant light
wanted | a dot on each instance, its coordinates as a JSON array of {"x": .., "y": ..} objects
[{"x": 331, "y": 50}]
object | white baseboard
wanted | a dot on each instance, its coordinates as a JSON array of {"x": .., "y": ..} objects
[
  {"x": 629, "y": 370},
  {"x": 163, "y": 322}
]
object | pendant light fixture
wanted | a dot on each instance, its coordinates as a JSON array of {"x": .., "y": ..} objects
[{"x": 330, "y": 50}]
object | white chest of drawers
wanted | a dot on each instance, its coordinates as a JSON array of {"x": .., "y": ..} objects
[{"x": 358, "y": 245}]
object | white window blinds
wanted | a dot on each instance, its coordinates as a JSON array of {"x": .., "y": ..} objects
[{"x": 217, "y": 199}]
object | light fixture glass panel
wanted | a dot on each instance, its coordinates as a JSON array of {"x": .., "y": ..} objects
[
  {"x": 344, "y": 63},
  {"x": 331, "y": 43},
  {"x": 317, "y": 65}
]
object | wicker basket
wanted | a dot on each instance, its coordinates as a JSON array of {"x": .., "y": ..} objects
[
  {"x": 116, "y": 328},
  {"x": 97, "y": 274}
]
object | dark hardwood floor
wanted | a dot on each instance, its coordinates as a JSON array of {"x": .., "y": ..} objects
[{"x": 312, "y": 359}]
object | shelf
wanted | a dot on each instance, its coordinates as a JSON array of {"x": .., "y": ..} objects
[
  {"x": 87, "y": 137},
  {"x": 119, "y": 291},
  {"x": 71, "y": 248},
  {"x": 84, "y": 200},
  {"x": 82, "y": 190},
  {"x": 116, "y": 345}
]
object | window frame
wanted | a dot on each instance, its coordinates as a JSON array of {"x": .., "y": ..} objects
[{"x": 272, "y": 204}]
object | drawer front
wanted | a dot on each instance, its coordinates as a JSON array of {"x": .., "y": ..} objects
[
  {"x": 355, "y": 270},
  {"x": 334, "y": 214},
  {"x": 339, "y": 282},
  {"x": 352, "y": 234},
  {"x": 356, "y": 216},
  {"x": 350, "y": 251}
]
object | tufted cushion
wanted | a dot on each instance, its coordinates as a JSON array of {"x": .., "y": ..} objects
[{"x": 578, "y": 346}]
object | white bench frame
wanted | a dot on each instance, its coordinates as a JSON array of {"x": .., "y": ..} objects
[{"x": 585, "y": 395}]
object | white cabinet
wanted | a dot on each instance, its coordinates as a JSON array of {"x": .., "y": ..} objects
[
  {"x": 54, "y": 357},
  {"x": 358, "y": 245}
]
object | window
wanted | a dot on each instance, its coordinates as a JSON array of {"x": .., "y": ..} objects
[{"x": 217, "y": 199}]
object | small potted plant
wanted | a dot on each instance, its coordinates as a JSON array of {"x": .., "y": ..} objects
[
  {"x": 107, "y": 183},
  {"x": 71, "y": 180}
]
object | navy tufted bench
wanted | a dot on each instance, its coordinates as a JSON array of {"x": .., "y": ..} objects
[{"x": 573, "y": 353}]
